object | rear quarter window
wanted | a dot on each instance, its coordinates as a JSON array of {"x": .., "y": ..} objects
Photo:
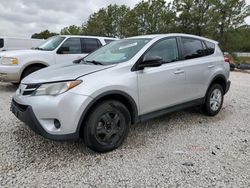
[
  {"x": 1, "y": 43},
  {"x": 210, "y": 48},
  {"x": 192, "y": 48}
]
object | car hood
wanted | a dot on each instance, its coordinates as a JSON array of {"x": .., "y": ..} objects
[
  {"x": 19, "y": 53},
  {"x": 63, "y": 72}
]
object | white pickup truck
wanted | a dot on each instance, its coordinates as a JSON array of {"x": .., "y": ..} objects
[{"x": 15, "y": 65}]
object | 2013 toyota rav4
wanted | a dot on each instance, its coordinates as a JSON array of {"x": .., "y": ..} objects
[{"x": 125, "y": 82}]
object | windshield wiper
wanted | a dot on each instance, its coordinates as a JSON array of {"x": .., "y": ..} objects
[
  {"x": 94, "y": 62},
  {"x": 37, "y": 48}
]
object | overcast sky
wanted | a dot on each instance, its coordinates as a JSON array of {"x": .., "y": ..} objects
[{"x": 22, "y": 18}]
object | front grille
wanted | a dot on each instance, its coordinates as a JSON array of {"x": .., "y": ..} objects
[
  {"x": 28, "y": 89},
  {"x": 28, "y": 92},
  {"x": 32, "y": 86}
]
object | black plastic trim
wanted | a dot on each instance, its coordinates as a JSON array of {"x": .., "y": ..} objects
[
  {"x": 112, "y": 92},
  {"x": 1, "y": 43},
  {"x": 171, "y": 109},
  {"x": 216, "y": 77},
  {"x": 27, "y": 116},
  {"x": 228, "y": 86}
]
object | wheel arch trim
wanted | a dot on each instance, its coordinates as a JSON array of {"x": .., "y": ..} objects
[
  {"x": 134, "y": 118},
  {"x": 32, "y": 63},
  {"x": 219, "y": 76}
]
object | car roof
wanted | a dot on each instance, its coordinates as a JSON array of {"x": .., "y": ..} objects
[
  {"x": 88, "y": 36},
  {"x": 20, "y": 38},
  {"x": 154, "y": 36}
]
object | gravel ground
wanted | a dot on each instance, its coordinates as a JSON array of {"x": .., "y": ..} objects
[{"x": 183, "y": 149}]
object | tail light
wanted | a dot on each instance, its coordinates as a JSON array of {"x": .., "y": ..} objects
[{"x": 227, "y": 60}]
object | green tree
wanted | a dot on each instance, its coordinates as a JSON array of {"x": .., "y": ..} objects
[
  {"x": 227, "y": 16},
  {"x": 193, "y": 16},
  {"x": 215, "y": 19},
  {"x": 149, "y": 17},
  {"x": 106, "y": 22},
  {"x": 221, "y": 20},
  {"x": 43, "y": 35},
  {"x": 71, "y": 30},
  {"x": 238, "y": 40}
]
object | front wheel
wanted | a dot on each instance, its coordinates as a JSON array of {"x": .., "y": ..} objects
[
  {"x": 30, "y": 70},
  {"x": 107, "y": 126},
  {"x": 214, "y": 100}
]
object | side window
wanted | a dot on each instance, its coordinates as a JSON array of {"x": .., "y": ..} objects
[
  {"x": 107, "y": 41},
  {"x": 1, "y": 43},
  {"x": 210, "y": 48},
  {"x": 192, "y": 48},
  {"x": 72, "y": 46},
  {"x": 90, "y": 45},
  {"x": 166, "y": 49}
]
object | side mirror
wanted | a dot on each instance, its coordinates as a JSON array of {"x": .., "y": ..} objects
[
  {"x": 151, "y": 62},
  {"x": 77, "y": 61},
  {"x": 63, "y": 50}
]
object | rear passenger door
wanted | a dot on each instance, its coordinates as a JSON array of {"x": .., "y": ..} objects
[
  {"x": 89, "y": 45},
  {"x": 198, "y": 64},
  {"x": 161, "y": 87}
]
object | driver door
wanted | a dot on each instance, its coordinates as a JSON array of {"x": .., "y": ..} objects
[
  {"x": 69, "y": 51},
  {"x": 163, "y": 86}
]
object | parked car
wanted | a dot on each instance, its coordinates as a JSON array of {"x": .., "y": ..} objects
[
  {"x": 244, "y": 66},
  {"x": 123, "y": 83},
  {"x": 15, "y": 65},
  {"x": 14, "y": 43}
]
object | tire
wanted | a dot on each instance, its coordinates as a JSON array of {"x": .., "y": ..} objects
[
  {"x": 214, "y": 100},
  {"x": 30, "y": 70},
  {"x": 106, "y": 126},
  {"x": 15, "y": 84}
]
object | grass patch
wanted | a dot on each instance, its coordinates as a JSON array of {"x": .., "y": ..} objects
[
  {"x": 244, "y": 59},
  {"x": 238, "y": 60}
]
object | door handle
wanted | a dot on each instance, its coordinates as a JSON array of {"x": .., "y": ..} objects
[
  {"x": 179, "y": 71},
  {"x": 210, "y": 66}
]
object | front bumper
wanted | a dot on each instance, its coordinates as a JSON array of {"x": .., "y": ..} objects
[
  {"x": 10, "y": 73},
  {"x": 26, "y": 114},
  {"x": 228, "y": 86}
]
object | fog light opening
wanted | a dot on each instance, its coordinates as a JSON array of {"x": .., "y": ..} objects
[{"x": 57, "y": 123}]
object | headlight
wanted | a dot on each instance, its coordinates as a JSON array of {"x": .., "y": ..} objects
[
  {"x": 56, "y": 88},
  {"x": 9, "y": 61}
]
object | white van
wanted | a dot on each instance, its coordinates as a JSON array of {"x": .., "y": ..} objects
[
  {"x": 60, "y": 49},
  {"x": 10, "y": 43}
]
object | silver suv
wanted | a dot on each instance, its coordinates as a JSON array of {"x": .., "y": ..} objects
[{"x": 122, "y": 83}]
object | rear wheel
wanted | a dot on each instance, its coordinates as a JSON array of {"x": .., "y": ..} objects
[
  {"x": 214, "y": 100},
  {"x": 106, "y": 126}
]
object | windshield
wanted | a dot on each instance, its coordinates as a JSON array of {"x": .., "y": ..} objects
[
  {"x": 51, "y": 43},
  {"x": 117, "y": 51}
]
